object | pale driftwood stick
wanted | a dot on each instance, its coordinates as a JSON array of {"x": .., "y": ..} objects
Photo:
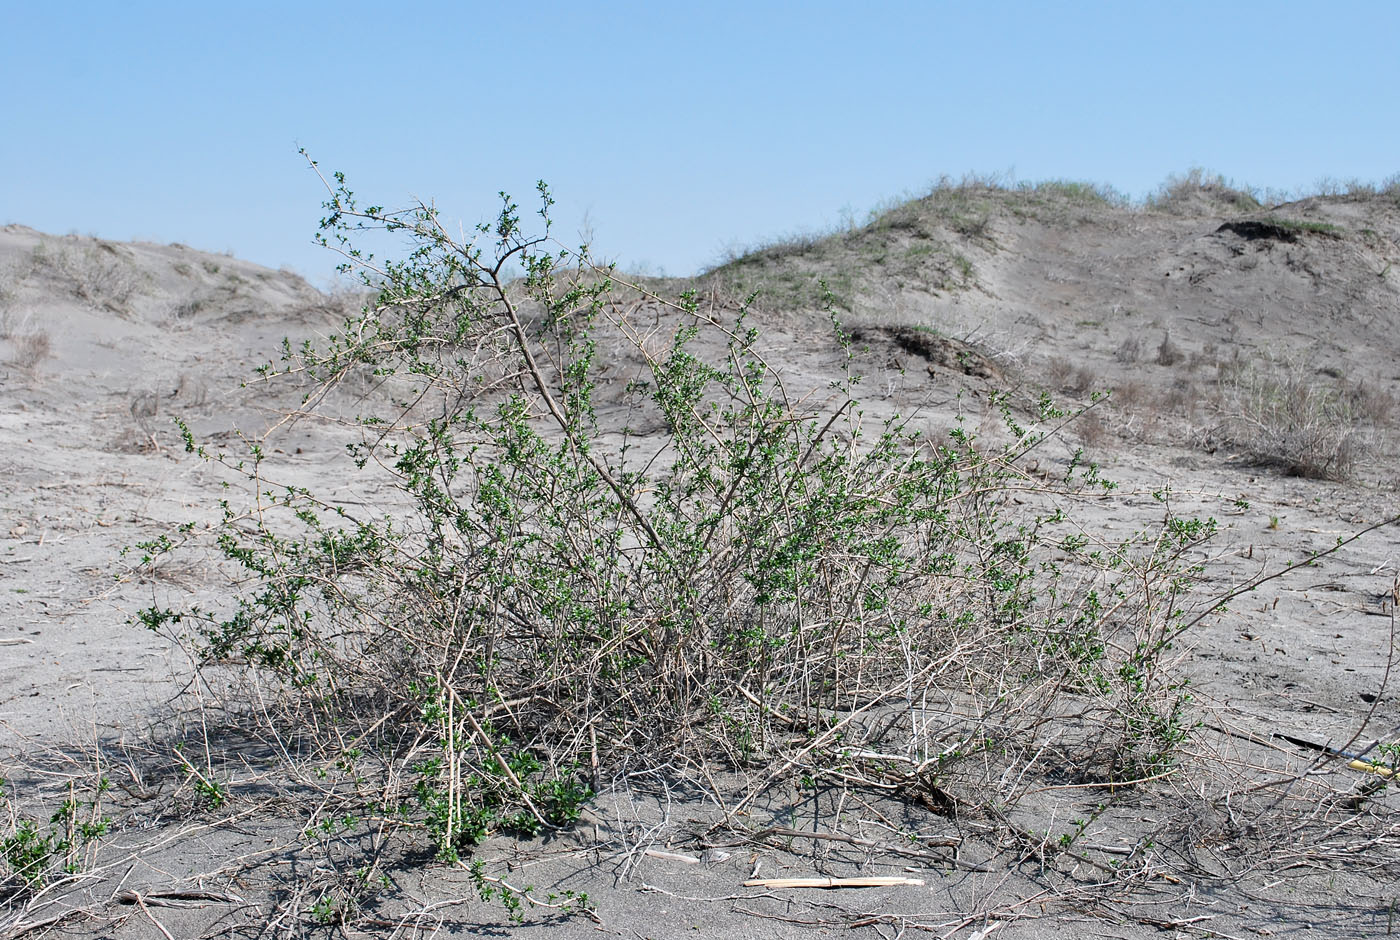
[
  {"x": 877, "y": 882},
  {"x": 672, "y": 856}
]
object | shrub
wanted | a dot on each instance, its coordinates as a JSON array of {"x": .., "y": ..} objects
[
  {"x": 93, "y": 272},
  {"x": 773, "y": 586},
  {"x": 1060, "y": 371},
  {"x": 1282, "y": 415},
  {"x": 1168, "y": 352},
  {"x": 1370, "y": 402},
  {"x": 1129, "y": 350},
  {"x": 9, "y": 320},
  {"x": 30, "y": 348}
]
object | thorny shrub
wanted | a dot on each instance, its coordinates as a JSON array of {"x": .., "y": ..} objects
[{"x": 786, "y": 590}]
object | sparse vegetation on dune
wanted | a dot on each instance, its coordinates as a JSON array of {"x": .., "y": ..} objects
[
  {"x": 1182, "y": 193},
  {"x": 962, "y": 208},
  {"x": 94, "y": 272},
  {"x": 1361, "y": 190},
  {"x": 29, "y": 345},
  {"x": 943, "y": 243}
]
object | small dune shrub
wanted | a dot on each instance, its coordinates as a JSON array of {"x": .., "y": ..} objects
[
  {"x": 36, "y": 851},
  {"x": 1059, "y": 371},
  {"x": 1183, "y": 397},
  {"x": 1128, "y": 394},
  {"x": 340, "y": 302},
  {"x": 9, "y": 319},
  {"x": 186, "y": 308},
  {"x": 93, "y": 272},
  {"x": 1284, "y": 415},
  {"x": 1084, "y": 379},
  {"x": 1370, "y": 402},
  {"x": 30, "y": 348},
  {"x": 1205, "y": 357},
  {"x": 1129, "y": 351},
  {"x": 1092, "y": 430},
  {"x": 1168, "y": 352},
  {"x": 777, "y": 589}
]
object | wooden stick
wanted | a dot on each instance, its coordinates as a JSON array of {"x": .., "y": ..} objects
[
  {"x": 672, "y": 856},
  {"x": 877, "y": 882},
  {"x": 147, "y": 911}
]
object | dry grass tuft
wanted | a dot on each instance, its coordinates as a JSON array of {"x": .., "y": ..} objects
[
  {"x": 1129, "y": 394},
  {"x": 1371, "y": 403},
  {"x": 1183, "y": 193},
  {"x": 1064, "y": 376},
  {"x": 339, "y": 303},
  {"x": 9, "y": 319},
  {"x": 1182, "y": 398},
  {"x": 1059, "y": 371},
  {"x": 1093, "y": 431}
]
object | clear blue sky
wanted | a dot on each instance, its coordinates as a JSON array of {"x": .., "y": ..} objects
[{"x": 680, "y": 129}]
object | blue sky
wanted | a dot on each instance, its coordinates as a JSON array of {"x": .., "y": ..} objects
[{"x": 680, "y": 130}]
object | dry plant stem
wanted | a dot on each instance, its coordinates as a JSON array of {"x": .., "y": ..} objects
[
  {"x": 20, "y": 928},
  {"x": 1381, "y": 689},
  {"x": 795, "y": 760},
  {"x": 505, "y": 767},
  {"x": 1284, "y": 783},
  {"x": 881, "y": 881},
  {"x": 147, "y": 911},
  {"x": 783, "y": 832}
]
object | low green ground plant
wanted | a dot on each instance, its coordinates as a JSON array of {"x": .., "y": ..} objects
[
  {"x": 36, "y": 850},
  {"x": 1309, "y": 226}
]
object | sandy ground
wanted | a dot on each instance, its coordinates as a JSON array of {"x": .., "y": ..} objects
[{"x": 141, "y": 333}]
